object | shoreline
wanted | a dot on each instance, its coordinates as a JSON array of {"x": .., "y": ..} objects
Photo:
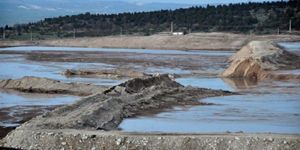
[
  {"x": 194, "y": 41},
  {"x": 64, "y": 138}
]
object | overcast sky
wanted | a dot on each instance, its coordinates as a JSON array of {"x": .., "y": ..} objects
[
  {"x": 196, "y": 1},
  {"x": 23, "y": 11}
]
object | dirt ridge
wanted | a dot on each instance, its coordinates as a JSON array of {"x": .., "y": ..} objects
[
  {"x": 44, "y": 85},
  {"x": 105, "y": 111},
  {"x": 258, "y": 59}
]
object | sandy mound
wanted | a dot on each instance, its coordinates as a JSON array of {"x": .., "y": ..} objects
[
  {"x": 257, "y": 59},
  {"x": 105, "y": 111},
  {"x": 44, "y": 85}
]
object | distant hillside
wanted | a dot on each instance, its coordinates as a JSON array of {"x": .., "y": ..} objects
[
  {"x": 259, "y": 18},
  {"x": 24, "y": 11}
]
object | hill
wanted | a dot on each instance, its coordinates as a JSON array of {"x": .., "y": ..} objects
[
  {"x": 260, "y": 18},
  {"x": 24, "y": 11}
]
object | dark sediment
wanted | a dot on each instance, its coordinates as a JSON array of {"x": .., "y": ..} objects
[
  {"x": 114, "y": 73},
  {"x": 11, "y": 117},
  {"x": 44, "y": 85},
  {"x": 106, "y": 110}
]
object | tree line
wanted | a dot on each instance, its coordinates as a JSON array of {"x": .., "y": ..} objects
[{"x": 260, "y": 18}]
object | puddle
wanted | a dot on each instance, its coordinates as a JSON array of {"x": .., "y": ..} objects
[
  {"x": 12, "y": 98},
  {"x": 271, "y": 106},
  {"x": 290, "y": 46},
  {"x": 212, "y": 83},
  {"x": 144, "y": 51},
  {"x": 17, "y": 107},
  {"x": 14, "y": 66},
  {"x": 268, "y": 108},
  {"x": 264, "y": 107}
]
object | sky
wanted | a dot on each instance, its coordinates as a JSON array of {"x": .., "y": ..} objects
[
  {"x": 24, "y": 11},
  {"x": 195, "y": 1}
]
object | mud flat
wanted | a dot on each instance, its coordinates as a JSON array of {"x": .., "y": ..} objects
[
  {"x": 93, "y": 122},
  {"x": 44, "y": 85},
  {"x": 194, "y": 41},
  {"x": 113, "y": 73},
  {"x": 16, "y": 115},
  {"x": 106, "y": 110}
]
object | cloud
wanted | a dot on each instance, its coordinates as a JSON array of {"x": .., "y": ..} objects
[
  {"x": 137, "y": 3},
  {"x": 23, "y": 7},
  {"x": 35, "y": 7},
  {"x": 51, "y": 9}
]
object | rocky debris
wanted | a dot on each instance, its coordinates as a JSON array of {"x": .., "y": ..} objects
[
  {"x": 84, "y": 139},
  {"x": 114, "y": 73},
  {"x": 105, "y": 111},
  {"x": 257, "y": 59},
  {"x": 12, "y": 117},
  {"x": 44, "y": 85}
]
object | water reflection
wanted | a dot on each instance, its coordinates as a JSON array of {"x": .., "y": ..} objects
[
  {"x": 240, "y": 83},
  {"x": 205, "y": 82},
  {"x": 290, "y": 46},
  {"x": 13, "y": 98},
  {"x": 14, "y": 67},
  {"x": 257, "y": 110}
]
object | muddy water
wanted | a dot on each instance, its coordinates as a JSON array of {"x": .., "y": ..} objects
[
  {"x": 259, "y": 109},
  {"x": 16, "y": 66},
  {"x": 271, "y": 107},
  {"x": 140, "y": 51},
  {"x": 17, "y": 107},
  {"x": 13, "y": 98},
  {"x": 267, "y": 106},
  {"x": 291, "y": 46}
]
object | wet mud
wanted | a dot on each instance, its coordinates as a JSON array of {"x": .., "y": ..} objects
[
  {"x": 146, "y": 96},
  {"x": 44, "y": 85},
  {"x": 12, "y": 117}
]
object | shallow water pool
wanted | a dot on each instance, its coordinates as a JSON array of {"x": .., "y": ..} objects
[{"x": 264, "y": 107}]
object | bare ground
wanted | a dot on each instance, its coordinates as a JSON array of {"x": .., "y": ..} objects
[
  {"x": 195, "y": 41},
  {"x": 18, "y": 115},
  {"x": 68, "y": 139},
  {"x": 257, "y": 59},
  {"x": 44, "y": 85},
  {"x": 87, "y": 139},
  {"x": 105, "y": 111}
]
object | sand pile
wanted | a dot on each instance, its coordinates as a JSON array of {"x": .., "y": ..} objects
[
  {"x": 44, "y": 85},
  {"x": 258, "y": 59},
  {"x": 105, "y": 111}
]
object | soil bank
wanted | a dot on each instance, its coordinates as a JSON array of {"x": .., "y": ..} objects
[
  {"x": 258, "y": 59},
  {"x": 105, "y": 111},
  {"x": 44, "y": 85},
  {"x": 194, "y": 41}
]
